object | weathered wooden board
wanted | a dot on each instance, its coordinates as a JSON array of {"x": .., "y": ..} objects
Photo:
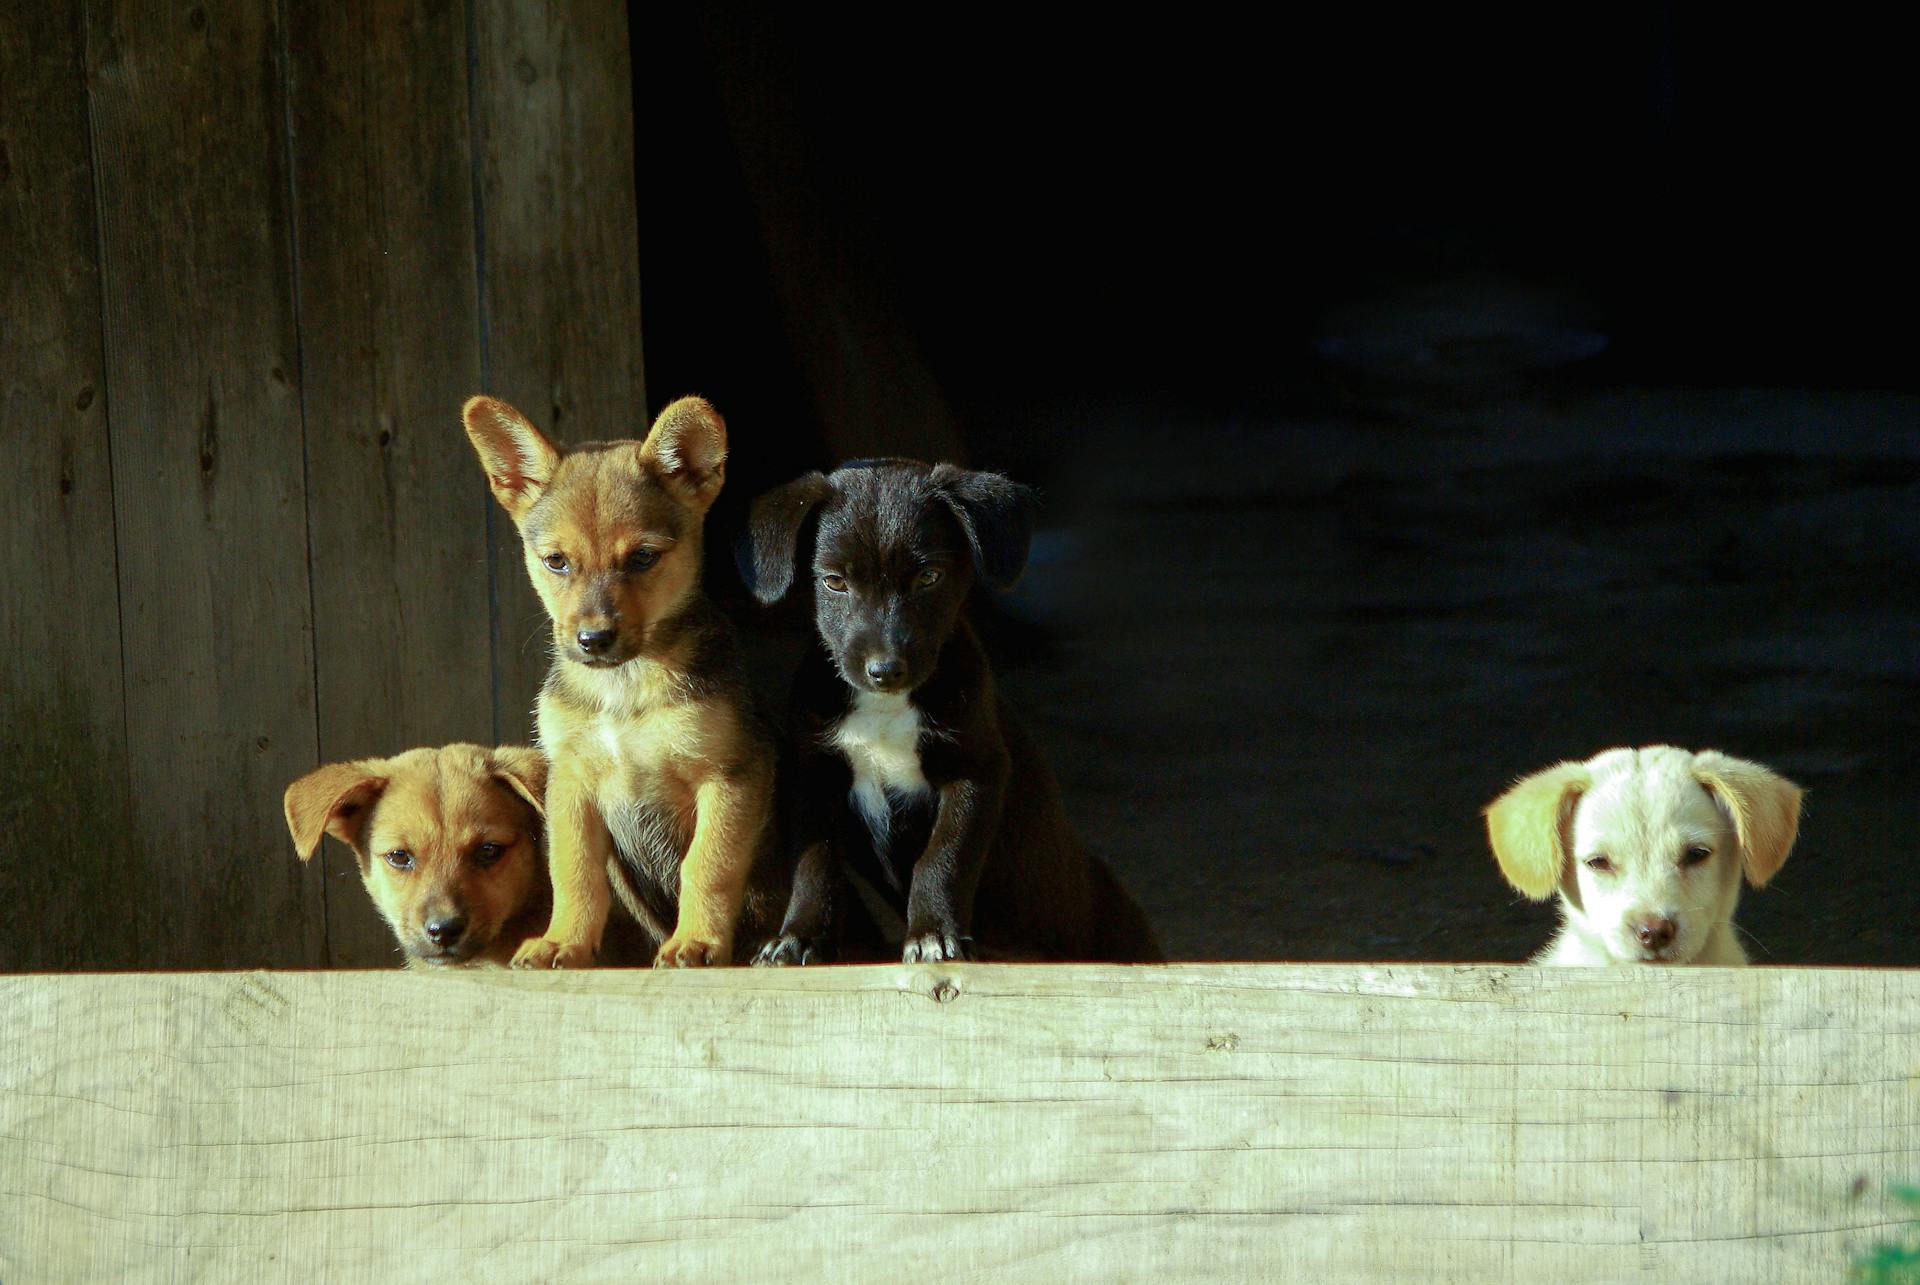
[
  {"x": 189, "y": 131},
  {"x": 390, "y": 337},
  {"x": 972, "y": 1123},
  {"x": 559, "y": 265},
  {"x": 62, "y": 736}
]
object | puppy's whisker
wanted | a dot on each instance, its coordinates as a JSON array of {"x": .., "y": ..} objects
[{"x": 1760, "y": 945}]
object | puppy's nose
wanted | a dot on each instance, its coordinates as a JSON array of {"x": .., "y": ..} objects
[
  {"x": 885, "y": 671},
  {"x": 594, "y": 641},
  {"x": 446, "y": 930},
  {"x": 1655, "y": 932}
]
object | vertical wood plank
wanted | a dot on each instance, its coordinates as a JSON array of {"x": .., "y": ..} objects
[
  {"x": 65, "y": 900},
  {"x": 390, "y": 341},
  {"x": 189, "y": 130},
  {"x": 559, "y": 255}
]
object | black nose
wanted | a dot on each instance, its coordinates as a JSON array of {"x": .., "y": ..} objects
[
  {"x": 884, "y": 672},
  {"x": 594, "y": 641},
  {"x": 442, "y": 932}
]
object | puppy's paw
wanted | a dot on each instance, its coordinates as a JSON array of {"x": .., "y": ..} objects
[
  {"x": 936, "y": 945},
  {"x": 543, "y": 952},
  {"x": 691, "y": 952},
  {"x": 789, "y": 949}
]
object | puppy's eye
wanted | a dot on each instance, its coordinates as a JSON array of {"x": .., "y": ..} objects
[
  {"x": 837, "y": 584},
  {"x": 1694, "y": 856},
  {"x": 928, "y": 578},
  {"x": 399, "y": 859},
  {"x": 557, "y": 563},
  {"x": 1600, "y": 865},
  {"x": 488, "y": 853},
  {"x": 640, "y": 559}
]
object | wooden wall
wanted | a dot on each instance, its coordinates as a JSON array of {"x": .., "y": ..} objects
[
  {"x": 253, "y": 257},
  {"x": 970, "y": 1123}
]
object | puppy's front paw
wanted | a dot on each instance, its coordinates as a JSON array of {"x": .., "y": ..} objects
[
  {"x": 691, "y": 952},
  {"x": 543, "y": 952},
  {"x": 790, "y": 949},
  {"x": 935, "y": 945}
]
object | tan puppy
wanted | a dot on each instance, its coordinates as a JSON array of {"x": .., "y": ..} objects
[
  {"x": 449, "y": 844},
  {"x": 1646, "y": 849},
  {"x": 658, "y": 761}
]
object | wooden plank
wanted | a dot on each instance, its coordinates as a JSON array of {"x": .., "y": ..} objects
[
  {"x": 1232, "y": 1122},
  {"x": 64, "y": 846},
  {"x": 559, "y": 256},
  {"x": 389, "y": 323},
  {"x": 189, "y": 129}
]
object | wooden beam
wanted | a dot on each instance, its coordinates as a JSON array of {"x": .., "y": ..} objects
[
  {"x": 559, "y": 267},
  {"x": 63, "y": 752},
  {"x": 390, "y": 342},
  {"x": 1235, "y": 1122},
  {"x": 189, "y": 123}
]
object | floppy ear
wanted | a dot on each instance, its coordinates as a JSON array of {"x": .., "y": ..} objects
[
  {"x": 1764, "y": 805},
  {"x": 334, "y": 800},
  {"x": 997, "y": 515},
  {"x": 687, "y": 450},
  {"x": 768, "y": 548},
  {"x": 522, "y": 769},
  {"x": 1531, "y": 827},
  {"x": 519, "y": 461}
]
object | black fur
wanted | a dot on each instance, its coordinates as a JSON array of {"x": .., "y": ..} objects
[{"x": 986, "y": 855}]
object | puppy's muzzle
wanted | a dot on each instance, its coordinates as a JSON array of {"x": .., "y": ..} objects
[
  {"x": 886, "y": 673},
  {"x": 1655, "y": 933}
]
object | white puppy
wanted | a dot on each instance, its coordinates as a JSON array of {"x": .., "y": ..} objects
[{"x": 1646, "y": 848}]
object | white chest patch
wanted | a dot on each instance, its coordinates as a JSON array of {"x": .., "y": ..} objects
[{"x": 881, "y": 738}]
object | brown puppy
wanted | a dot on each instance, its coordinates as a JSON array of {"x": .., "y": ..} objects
[
  {"x": 449, "y": 844},
  {"x": 658, "y": 761}
]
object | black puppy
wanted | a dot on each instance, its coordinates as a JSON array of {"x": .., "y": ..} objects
[{"x": 907, "y": 765}]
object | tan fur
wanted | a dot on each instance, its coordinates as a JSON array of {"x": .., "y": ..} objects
[
  {"x": 1646, "y": 848},
  {"x": 660, "y": 773},
  {"x": 1765, "y": 809},
  {"x": 1528, "y": 827},
  {"x": 438, "y": 806}
]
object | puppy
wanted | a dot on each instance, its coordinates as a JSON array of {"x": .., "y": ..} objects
[
  {"x": 448, "y": 840},
  {"x": 659, "y": 764},
  {"x": 909, "y": 769},
  {"x": 1646, "y": 848}
]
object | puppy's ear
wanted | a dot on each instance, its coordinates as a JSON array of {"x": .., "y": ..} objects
[
  {"x": 1531, "y": 827},
  {"x": 334, "y": 800},
  {"x": 687, "y": 450},
  {"x": 519, "y": 461},
  {"x": 1764, "y": 805},
  {"x": 997, "y": 515},
  {"x": 522, "y": 769},
  {"x": 768, "y": 548}
]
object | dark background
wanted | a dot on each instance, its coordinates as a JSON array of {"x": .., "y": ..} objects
[{"x": 1419, "y": 397}]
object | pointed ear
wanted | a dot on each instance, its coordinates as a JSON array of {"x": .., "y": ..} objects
[
  {"x": 1531, "y": 827},
  {"x": 687, "y": 450},
  {"x": 997, "y": 515},
  {"x": 1765, "y": 808},
  {"x": 769, "y": 548},
  {"x": 522, "y": 769},
  {"x": 334, "y": 800},
  {"x": 519, "y": 461}
]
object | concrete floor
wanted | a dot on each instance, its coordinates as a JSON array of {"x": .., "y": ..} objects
[{"x": 1282, "y": 663}]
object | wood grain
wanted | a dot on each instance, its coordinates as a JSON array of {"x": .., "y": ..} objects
[
  {"x": 189, "y": 131},
  {"x": 390, "y": 336},
  {"x": 553, "y": 106},
  {"x": 1228, "y": 1122},
  {"x": 62, "y": 736}
]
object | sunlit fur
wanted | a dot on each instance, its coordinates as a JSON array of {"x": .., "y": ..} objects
[
  {"x": 662, "y": 780},
  {"x": 1618, "y": 837},
  {"x": 439, "y": 806}
]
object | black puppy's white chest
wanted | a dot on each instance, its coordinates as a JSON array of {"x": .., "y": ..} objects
[{"x": 879, "y": 736}]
